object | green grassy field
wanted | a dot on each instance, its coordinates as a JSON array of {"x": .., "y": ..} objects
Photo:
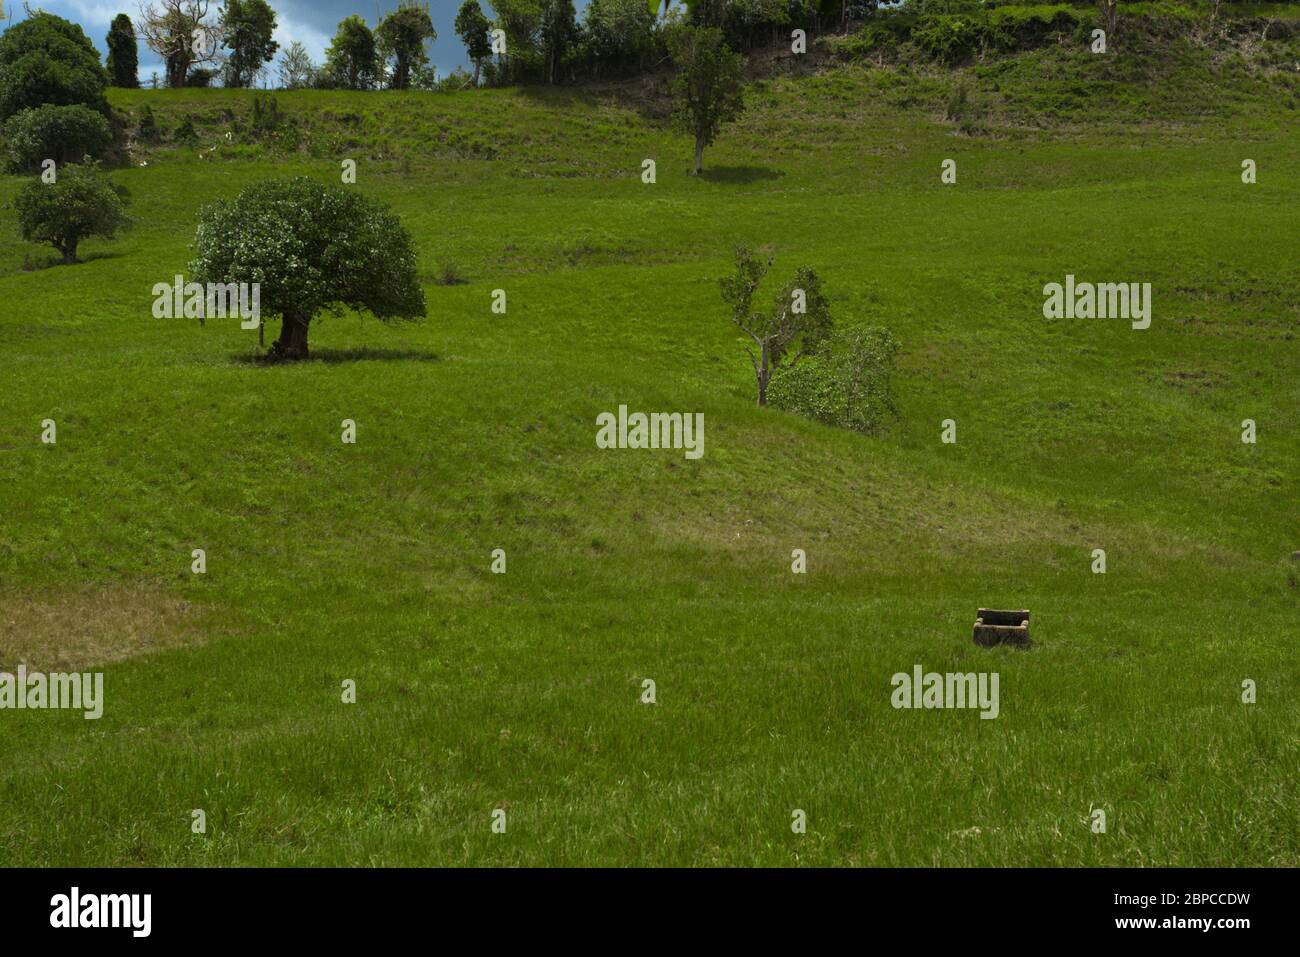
[{"x": 476, "y": 431}]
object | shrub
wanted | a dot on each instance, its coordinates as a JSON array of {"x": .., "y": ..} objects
[
  {"x": 147, "y": 129},
  {"x": 849, "y": 384},
  {"x": 200, "y": 77},
  {"x": 266, "y": 115},
  {"x": 185, "y": 132},
  {"x": 82, "y": 202},
  {"x": 61, "y": 133},
  {"x": 953, "y": 38}
]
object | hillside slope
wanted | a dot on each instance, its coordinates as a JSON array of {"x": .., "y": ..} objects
[{"x": 370, "y": 562}]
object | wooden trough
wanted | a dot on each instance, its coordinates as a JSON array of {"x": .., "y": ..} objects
[{"x": 1002, "y": 627}]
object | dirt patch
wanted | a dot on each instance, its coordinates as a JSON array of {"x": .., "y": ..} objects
[{"x": 68, "y": 628}]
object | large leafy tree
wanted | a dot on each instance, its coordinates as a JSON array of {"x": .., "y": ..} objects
[
  {"x": 313, "y": 248},
  {"x": 798, "y": 324},
  {"x": 352, "y": 60},
  {"x": 401, "y": 37},
  {"x": 47, "y": 60},
  {"x": 708, "y": 90},
  {"x": 123, "y": 57},
  {"x": 81, "y": 202},
  {"x": 472, "y": 27},
  {"x": 246, "y": 30}
]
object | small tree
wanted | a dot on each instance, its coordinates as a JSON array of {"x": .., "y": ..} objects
[
  {"x": 295, "y": 68},
  {"x": 312, "y": 248},
  {"x": 247, "y": 27},
  {"x": 123, "y": 57},
  {"x": 401, "y": 36},
  {"x": 80, "y": 203},
  {"x": 797, "y": 326},
  {"x": 708, "y": 89},
  {"x": 472, "y": 27}
]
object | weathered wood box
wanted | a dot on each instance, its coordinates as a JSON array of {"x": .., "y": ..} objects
[{"x": 1002, "y": 627}]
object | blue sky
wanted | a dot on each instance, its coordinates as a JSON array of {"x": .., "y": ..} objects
[{"x": 311, "y": 21}]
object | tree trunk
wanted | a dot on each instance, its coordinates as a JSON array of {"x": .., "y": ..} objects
[
  {"x": 764, "y": 376},
  {"x": 699, "y": 155},
  {"x": 478, "y": 68},
  {"x": 69, "y": 250},
  {"x": 292, "y": 344}
]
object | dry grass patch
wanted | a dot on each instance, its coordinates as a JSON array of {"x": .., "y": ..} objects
[{"x": 79, "y": 626}]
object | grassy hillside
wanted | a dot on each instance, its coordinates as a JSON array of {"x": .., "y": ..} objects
[{"x": 476, "y": 431}]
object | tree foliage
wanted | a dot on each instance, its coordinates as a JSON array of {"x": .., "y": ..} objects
[
  {"x": 849, "y": 384},
  {"x": 61, "y": 133},
  {"x": 295, "y": 69},
  {"x": 619, "y": 33},
  {"x": 558, "y": 36},
  {"x": 352, "y": 60},
  {"x": 247, "y": 28},
  {"x": 312, "y": 248},
  {"x": 796, "y": 326},
  {"x": 401, "y": 37},
  {"x": 472, "y": 27}
]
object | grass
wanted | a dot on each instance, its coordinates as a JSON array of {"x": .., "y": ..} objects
[{"x": 476, "y": 431}]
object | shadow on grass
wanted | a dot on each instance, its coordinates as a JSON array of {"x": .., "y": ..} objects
[
  {"x": 740, "y": 174},
  {"x": 337, "y": 356},
  {"x": 34, "y": 264}
]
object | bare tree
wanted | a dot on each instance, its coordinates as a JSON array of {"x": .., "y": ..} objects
[{"x": 180, "y": 33}]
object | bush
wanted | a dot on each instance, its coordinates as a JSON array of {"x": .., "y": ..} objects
[
  {"x": 200, "y": 77},
  {"x": 82, "y": 202},
  {"x": 61, "y": 133},
  {"x": 954, "y": 38},
  {"x": 848, "y": 384},
  {"x": 47, "y": 60},
  {"x": 266, "y": 117}
]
